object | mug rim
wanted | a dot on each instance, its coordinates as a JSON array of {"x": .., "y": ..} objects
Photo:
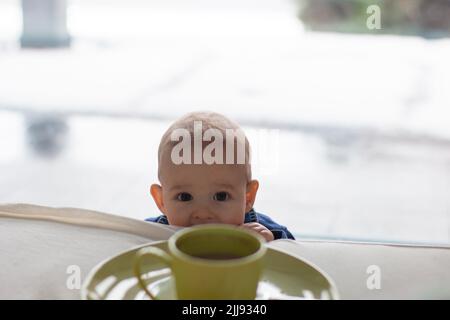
[{"x": 176, "y": 252}]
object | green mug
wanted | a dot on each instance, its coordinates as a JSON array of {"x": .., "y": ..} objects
[{"x": 212, "y": 261}]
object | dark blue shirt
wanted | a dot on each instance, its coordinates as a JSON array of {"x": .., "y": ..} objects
[{"x": 278, "y": 231}]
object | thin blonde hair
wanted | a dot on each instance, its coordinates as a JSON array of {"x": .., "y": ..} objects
[{"x": 209, "y": 120}]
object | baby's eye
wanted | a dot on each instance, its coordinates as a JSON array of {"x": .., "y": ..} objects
[
  {"x": 184, "y": 196},
  {"x": 221, "y": 196}
]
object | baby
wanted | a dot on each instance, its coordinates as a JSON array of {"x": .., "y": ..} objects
[{"x": 197, "y": 189}]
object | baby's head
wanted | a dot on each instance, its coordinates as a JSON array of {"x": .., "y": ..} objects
[{"x": 191, "y": 193}]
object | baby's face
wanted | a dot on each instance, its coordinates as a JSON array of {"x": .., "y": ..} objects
[{"x": 198, "y": 194}]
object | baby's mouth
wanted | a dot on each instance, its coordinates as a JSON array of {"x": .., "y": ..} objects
[{"x": 203, "y": 222}]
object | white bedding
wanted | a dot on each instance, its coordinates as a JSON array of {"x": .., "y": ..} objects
[{"x": 39, "y": 247}]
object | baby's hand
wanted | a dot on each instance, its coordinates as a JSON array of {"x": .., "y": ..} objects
[{"x": 266, "y": 233}]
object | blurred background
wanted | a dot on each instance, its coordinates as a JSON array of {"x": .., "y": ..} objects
[{"x": 349, "y": 124}]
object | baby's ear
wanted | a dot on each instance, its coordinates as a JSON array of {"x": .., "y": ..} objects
[
  {"x": 250, "y": 196},
  {"x": 156, "y": 192}
]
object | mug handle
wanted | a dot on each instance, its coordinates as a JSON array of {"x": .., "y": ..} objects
[{"x": 149, "y": 251}]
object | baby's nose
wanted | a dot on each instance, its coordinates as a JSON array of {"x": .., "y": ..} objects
[{"x": 203, "y": 216}]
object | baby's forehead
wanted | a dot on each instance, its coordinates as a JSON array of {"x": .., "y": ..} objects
[
  {"x": 170, "y": 173},
  {"x": 168, "y": 164}
]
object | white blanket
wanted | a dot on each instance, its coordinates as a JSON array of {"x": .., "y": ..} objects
[{"x": 40, "y": 248}]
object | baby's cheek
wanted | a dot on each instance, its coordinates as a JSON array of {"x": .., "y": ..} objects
[
  {"x": 236, "y": 218},
  {"x": 178, "y": 221},
  {"x": 176, "y": 218}
]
